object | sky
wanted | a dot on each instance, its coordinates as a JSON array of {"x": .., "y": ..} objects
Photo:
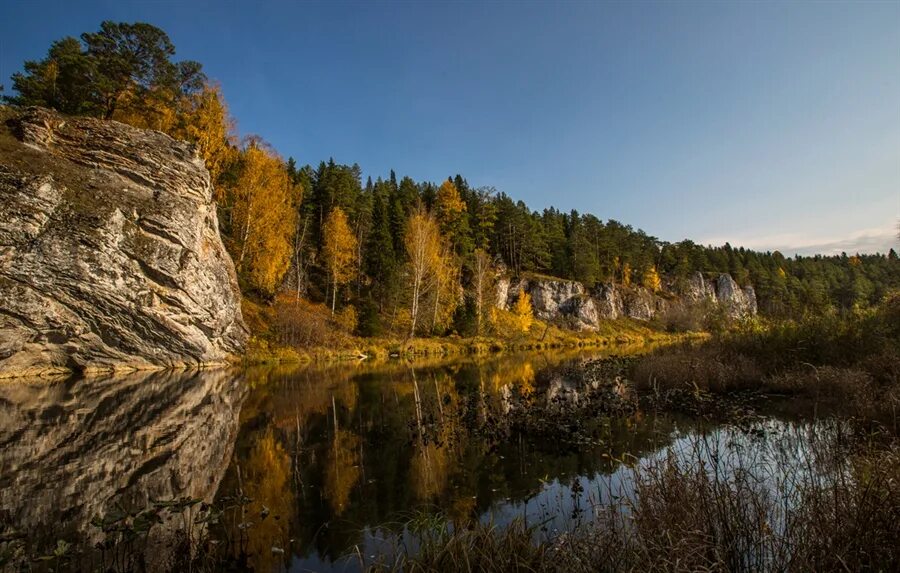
[{"x": 768, "y": 125}]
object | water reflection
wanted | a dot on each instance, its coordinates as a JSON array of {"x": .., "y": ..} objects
[
  {"x": 71, "y": 451},
  {"x": 331, "y": 458},
  {"x": 338, "y": 457}
]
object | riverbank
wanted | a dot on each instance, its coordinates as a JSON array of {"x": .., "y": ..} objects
[{"x": 265, "y": 346}]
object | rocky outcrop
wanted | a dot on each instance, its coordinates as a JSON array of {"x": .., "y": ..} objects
[
  {"x": 738, "y": 301},
  {"x": 568, "y": 303},
  {"x": 110, "y": 255}
]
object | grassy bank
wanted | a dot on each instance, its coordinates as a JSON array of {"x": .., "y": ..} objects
[
  {"x": 332, "y": 343},
  {"x": 848, "y": 363}
]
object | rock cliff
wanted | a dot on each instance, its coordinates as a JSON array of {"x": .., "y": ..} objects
[
  {"x": 110, "y": 255},
  {"x": 568, "y": 303}
]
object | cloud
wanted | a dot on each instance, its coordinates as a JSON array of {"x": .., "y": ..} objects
[{"x": 874, "y": 240}]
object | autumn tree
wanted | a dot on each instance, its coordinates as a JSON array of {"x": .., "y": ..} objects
[
  {"x": 209, "y": 126},
  {"x": 423, "y": 247},
  {"x": 262, "y": 210},
  {"x": 339, "y": 251},
  {"x": 445, "y": 293},
  {"x": 450, "y": 210},
  {"x": 523, "y": 312},
  {"x": 651, "y": 280},
  {"x": 626, "y": 274}
]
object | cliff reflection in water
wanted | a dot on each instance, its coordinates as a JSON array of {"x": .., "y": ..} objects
[
  {"x": 71, "y": 451},
  {"x": 339, "y": 457}
]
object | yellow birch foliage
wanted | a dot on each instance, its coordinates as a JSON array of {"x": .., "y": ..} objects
[
  {"x": 339, "y": 250},
  {"x": 449, "y": 206},
  {"x": 445, "y": 293},
  {"x": 268, "y": 471},
  {"x": 210, "y": 127},
  {"x": 423, "y": 246},
  {"x": 651, "y": 280},
  {"x": 202, "y": 119},
  {"x": 523, "y": 311},
  {"x": 341, "y": 470},
  {"x": 263, "y": 218},
  {"x": 626, "y": 274}
]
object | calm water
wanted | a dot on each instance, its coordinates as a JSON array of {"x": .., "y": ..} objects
[{"x": 335, "y": 460}]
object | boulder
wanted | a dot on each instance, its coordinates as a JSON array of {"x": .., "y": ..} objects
[{"x": 110, "y": 254}]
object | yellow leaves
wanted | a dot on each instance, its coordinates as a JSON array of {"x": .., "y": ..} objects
[
  {"x": 268, "y": 485},
  {"x": 340, "y": 247},
  {"x": 210, "y": 127},
  {"x": 449, "y": 205},
  {"x": 424, "y": 248},
  {"x": 781, "y": 273},
  {"x": 347, "y": 319},
  {"x": 263, "y": 218},
  {"x": 341, "y": 470},
  {"x": 651, "y": 280},
  {"x": 523, "y": 312},
  {"x": 626, "y": 274}
]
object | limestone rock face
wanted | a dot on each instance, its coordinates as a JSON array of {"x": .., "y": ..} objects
[
  {"x": 737, "y": 301},
  {"x": 699, "y": 289},
  {"x": 110, "y": 254},
  {"x": 609, "y": 302},
  {"x": 549, "y": 297},
  {"x": 568, "y": 303}
]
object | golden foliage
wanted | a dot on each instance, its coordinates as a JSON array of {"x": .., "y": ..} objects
[
  {"x": 339, "y": 250},
  {"x": 268, "y": 485},
  {"x": 157, "y": 109},
  {"x": 202, "y": 119},
  {"x": 424, "y": 248},
  {"x": 449, "y": 206},
  {"x": 341, "y": 470},
  {"x": 626, "y": 274},
  {"x": 347, "y": 319},
  {"x": 523, "y": 312},
  {"x": 446, "y": 293},
  {"x": 210, "y": 127},
  {"x": 651, "y": 280},
  {"x": 263, "y": 212}
]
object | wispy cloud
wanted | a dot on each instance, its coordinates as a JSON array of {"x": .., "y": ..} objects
[{"x": 873, "y": 240}]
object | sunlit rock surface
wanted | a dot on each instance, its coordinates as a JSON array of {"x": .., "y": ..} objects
[
  {"x": 110, "y": 255},
  {"x": 569, "y": 303}
]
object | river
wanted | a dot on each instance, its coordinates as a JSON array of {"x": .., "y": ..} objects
[{"x": 316, "y": 467}]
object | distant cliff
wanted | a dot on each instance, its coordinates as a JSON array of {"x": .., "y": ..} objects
[
  {"x": 110, "y": 255},
  {"x": 570, "y": 303}
]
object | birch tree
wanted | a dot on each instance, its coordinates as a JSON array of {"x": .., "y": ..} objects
[{"x": 339, "y": 250}]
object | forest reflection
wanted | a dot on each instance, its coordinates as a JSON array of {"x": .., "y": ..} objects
[{"x": 331, "y": 455}]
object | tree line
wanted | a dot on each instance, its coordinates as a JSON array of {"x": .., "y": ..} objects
[{"x": 396, "y": 254}]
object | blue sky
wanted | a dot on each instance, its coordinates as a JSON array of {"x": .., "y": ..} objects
[{"x": 769, "y": 125}]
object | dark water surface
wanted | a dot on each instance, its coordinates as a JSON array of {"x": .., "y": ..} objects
[{"x": 330, "y": 461}]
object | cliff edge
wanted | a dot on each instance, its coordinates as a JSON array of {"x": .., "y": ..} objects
[{"x": 110, "y": 254}]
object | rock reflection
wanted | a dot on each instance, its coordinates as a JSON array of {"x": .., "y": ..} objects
[{"x": 71, "y": 451}]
